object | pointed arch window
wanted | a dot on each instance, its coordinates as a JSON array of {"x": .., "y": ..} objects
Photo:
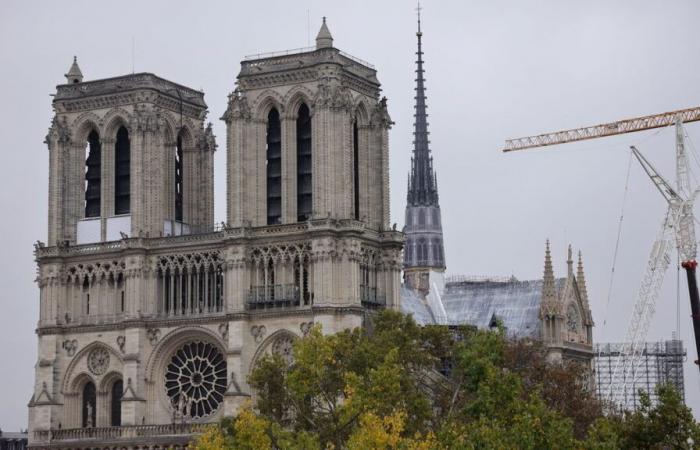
[
  {"x": 88, "y": 405},
  {"x": 122, "y": 172},
  {"x": 422, "y": 251},
  {"x": 274, "y": 168},
  {"x": 356, "y": 171},
  {"x": 116, "y": 403},
  {"x": 178, "y": 179},
  {"x": 93, "y": 175},
  {"x": 304, "y": 172}
]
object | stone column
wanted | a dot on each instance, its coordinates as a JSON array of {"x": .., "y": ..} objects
[
  {"x": 238, "y": 390},
  {"x": 44, "y": 407},
  {"x": 289, "y": 169},
  {"x": 133, "y": 401}
]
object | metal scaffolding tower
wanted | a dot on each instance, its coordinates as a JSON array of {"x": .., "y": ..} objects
[{"x": 658, "y": 363}]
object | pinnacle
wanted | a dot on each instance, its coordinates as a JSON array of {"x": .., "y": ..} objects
[
  {"x": 74, "y": 74},
  {"x": 324, "y": 39}
]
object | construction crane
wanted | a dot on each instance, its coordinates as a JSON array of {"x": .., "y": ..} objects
[
  {"x": 603, "y": 130},
  {"x": 678, "y": 223}
]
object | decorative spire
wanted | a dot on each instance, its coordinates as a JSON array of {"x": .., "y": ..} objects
[
  {"x": 74, "y": 74},
  {"x": 324, "y": 38},
  {"x": 570, "y": 262},
  {"x": 423, "y": 182},
  {"x": 548, "y": 289},
  {"x": 581, "y": 279}
]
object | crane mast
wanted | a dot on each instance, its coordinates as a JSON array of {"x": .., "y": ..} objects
[{"x": 678, "y": 223}]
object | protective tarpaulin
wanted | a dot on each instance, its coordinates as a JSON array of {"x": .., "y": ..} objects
[{"x": 512, "y": 303}]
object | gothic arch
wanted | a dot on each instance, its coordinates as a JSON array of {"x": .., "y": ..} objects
[
  {"x": 76, "y": 385},
  {"x": 108, "y": 380},
  {"x": 360, "y": 112},
  {"x": 294, "y": 98},
  {"x": 114, "y": 119},
  {"x": 69, "y": 378},
  {"x": 265, "y": 102},
  {"x": 187, "y": 135},
  {"x": 268, "y": 342},
  {"x": 84, "y": 124}
]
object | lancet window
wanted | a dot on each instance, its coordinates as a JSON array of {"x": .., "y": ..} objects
[
  {"x": 93, "y": 175},
  {"x": 122, "y": 172},
  {"x": 116, "y": 403},
  {"x": 304, "y": 165},
  {"x": 274, "y": 168},
  {"x": 190, "y": 284},
  {"x": 88, "y": 405},
  {"x": 422, "y": 251},
  {"x": 371, "y": 293},
  {"x": 178, "y": 179},
  {"x": 281, "y": 276},
  {"x": 355, "y": 171},
  {"x": 94, "y": 291}
]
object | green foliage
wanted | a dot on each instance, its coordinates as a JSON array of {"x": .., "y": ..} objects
[{"x": 379, "y": 388}]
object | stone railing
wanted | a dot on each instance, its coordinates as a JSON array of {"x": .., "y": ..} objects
[{"x": 116, "y": 433}]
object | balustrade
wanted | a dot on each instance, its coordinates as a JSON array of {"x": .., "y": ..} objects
[
  {"x": 370, "y": 297},
  {"x": 125, "y": 432}
]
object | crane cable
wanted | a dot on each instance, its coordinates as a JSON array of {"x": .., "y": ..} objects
[{"x": 617, "y": 242}]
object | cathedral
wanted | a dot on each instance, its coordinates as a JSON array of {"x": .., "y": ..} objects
[{"x": 152, "y": 316}]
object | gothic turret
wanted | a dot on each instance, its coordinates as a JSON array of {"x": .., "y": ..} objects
[
  {"x": 74, "y": 74},
  {"x": 424, "y": 251},
  {"x": 324, "y": 38}
]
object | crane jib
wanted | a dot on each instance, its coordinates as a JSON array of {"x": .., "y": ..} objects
[{"x": 603, "y": 130}]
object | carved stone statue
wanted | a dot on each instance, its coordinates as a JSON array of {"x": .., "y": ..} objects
[{"x": 88, "y": 422}]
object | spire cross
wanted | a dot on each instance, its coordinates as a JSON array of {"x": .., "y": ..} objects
[{"x": 418, "y": 9}]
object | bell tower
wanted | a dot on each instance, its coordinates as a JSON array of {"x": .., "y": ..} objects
[
  {"x": 128, "y": 156},
  {"x": 307, "y": 139}
]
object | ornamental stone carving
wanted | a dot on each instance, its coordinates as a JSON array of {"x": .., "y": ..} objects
[
  {"x": 70, "y": 346},
  {"x": 306, "y": 327},
  {"x": 153, "y": 335},
  {"x": 98, "y": 361},
  {"x": 223, "y": 330},
  {"x": 258, "y": 332},
  {"x": 121, "y": 342}
]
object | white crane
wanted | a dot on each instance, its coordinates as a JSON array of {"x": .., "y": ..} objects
[{"x": 678, "y": 224}]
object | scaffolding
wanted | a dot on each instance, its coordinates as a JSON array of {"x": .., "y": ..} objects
[{"x": 658, "y": 363}]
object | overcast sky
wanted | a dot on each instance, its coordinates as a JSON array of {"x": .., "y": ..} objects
[{"x": 494, "y": 70}]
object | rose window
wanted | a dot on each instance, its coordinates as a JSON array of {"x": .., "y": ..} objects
[
  {"x": 284, "y": 346},
  {"x": 98, "y": 361},
  {"x": 195, "y": 380}
]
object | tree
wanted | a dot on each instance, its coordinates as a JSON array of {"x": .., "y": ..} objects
[{"x": 395, "y": 385}]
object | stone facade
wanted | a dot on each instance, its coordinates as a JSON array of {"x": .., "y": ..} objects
[{"x": 144, "y": 338}]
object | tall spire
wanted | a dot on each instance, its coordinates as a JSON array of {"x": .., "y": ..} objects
[{"x": 423, "y": 182}]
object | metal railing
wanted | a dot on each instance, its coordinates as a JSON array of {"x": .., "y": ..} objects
[
  {"x": 370, "y": 297},
  {"x": 125, "y": 432},
  {"x": 277, "y": 296}
]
